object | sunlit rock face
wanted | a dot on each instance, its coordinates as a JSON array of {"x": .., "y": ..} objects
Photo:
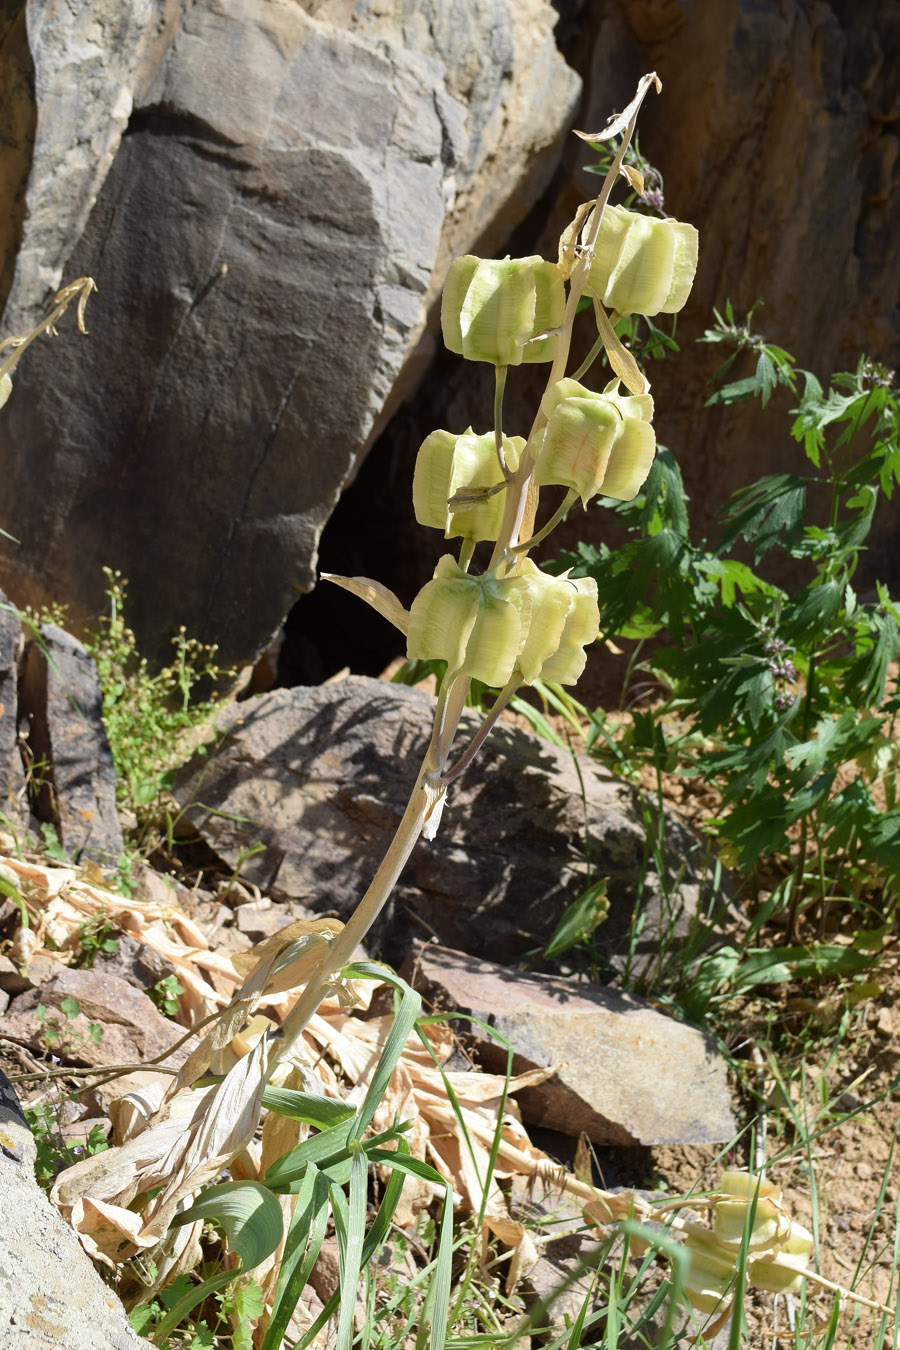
[{"x": 267, "y": 195}]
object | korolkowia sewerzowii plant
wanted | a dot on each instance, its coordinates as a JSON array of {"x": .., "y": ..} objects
[{"x": 505, "y": 625}]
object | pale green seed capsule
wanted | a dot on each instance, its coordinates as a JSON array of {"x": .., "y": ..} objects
[
  {"x": 581, "y": 630},
  {"x": 447, "y": 465},
  {"x": 5, "y": 388},
  {"x": 642, "y": 265},
  {"x": 771, "y": 1225},
  {"x": 559, "y": 617},
  {"x": 595, "y": 443},
  {"x": 709, "y": 1282},
  {"x": 468, "y": 621},
  {"x": 493, "y": 309},
  {"x": 795, "y": 1253}
]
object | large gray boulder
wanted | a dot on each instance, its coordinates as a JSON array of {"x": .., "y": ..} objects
[
  {"x": 268, "y": 203},
  {"x": 51, "y": 1297},
  {"x": 320, "y": 777}
]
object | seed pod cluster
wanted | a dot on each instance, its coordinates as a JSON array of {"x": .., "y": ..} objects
[{"x": 750, "y": 1211}]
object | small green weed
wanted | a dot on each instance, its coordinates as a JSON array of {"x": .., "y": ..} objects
[
  {"x": 61, "y": 1034},
  {"x": 148, "y": 715},
  {"x": 51, "y": 843},
  {"x": 166, "y": 993},
  {"x": 96, "y": 936},
  {"x": 54, "y": 1152}
]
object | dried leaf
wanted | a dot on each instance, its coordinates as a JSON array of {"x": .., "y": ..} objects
[
  {"x": 104, "y": 1228},
  {"x": 634, "y": 176},
  {"x": 246, "y": 962},
  {"x": 620, "y": 358},
  {"x": 376, "y": 595},
  {"x": 619, "y": 121}
]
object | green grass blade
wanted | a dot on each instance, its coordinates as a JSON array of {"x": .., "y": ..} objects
[
  {"x": 437, "y": 1303},
  {"x": 308, "y": 1226},
  {"x": 316, "y": 1149},
  {"x": 195, "y": 1295},
  {"x": 401, "y": 1029},
  {"x": 312, "y": 1109},
  {"x": 351, "y": 1247}
]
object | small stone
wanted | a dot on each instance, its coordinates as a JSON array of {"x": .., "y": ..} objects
[
  {"x": 229, "y": 941},
  {"x": 136, "y": 962},
  {"x": 132, "y": 1029},
  {"x": 258, "y": 922},
  {"x": 60, "y": 695},
  {"x": 863, "y": 1171},
  {"x": 39, "y": 970},
  {"x": 884, "y": 1022},
  {"x": 625, "y": 1073}
]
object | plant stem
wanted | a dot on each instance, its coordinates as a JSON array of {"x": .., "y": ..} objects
[
  {"x": 561, "y": 511},
  {"x": 589, "y": 359},
  {"x": 471, "y": 750},
  {"x": 499, "y": 387},
  {"x": 359, "y": 923}
]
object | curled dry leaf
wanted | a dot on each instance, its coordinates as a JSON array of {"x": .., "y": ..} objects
[
  {"x": 620, "y": 358},
  {"x": 190, "y": 1141},
  {"x": 376, "y": 595},
  {"x": 619, "y": 121},
  {"x": 634, "y": 177}
]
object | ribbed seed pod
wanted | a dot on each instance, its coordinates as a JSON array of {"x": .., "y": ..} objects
[
  {"x": 642, "y": 265},
  {"x": 595, "y": 443},
  {"x": 709, "y": 1282},
  {"x": 448, "y": 464},
  {"x": 781, "y": 1279},
  {"x": 770, "y": 1224},
  {"x": 492, "y": 309},
  {"x": 559, "y": 618},
  {"x": 468, "y": 621}
]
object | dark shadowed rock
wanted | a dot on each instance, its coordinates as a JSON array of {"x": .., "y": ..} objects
[
  {"x": 625, "y": 1073},
  {"x": 320, "y": 778},
  {"x": 137, "y": 963},
  {"x": 74, "y": 780},
  {"x": 12, "y": 778}
]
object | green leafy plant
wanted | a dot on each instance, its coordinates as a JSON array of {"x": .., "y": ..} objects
[
  {"x": 53, "y": 1151},
  {"x": 780, "y": 698},
  {"x": 60, "y": 1033},
  {"x": 96, "y": 936},
  {"x": 147, "y": 715},
  {"x": 51, "y": 843},
  {"x": 166, "y": 994}
]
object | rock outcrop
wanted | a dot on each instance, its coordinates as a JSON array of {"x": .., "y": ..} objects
[
  {"x": 320, "y": 778},
  {"x": 270, "y": 195}
]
